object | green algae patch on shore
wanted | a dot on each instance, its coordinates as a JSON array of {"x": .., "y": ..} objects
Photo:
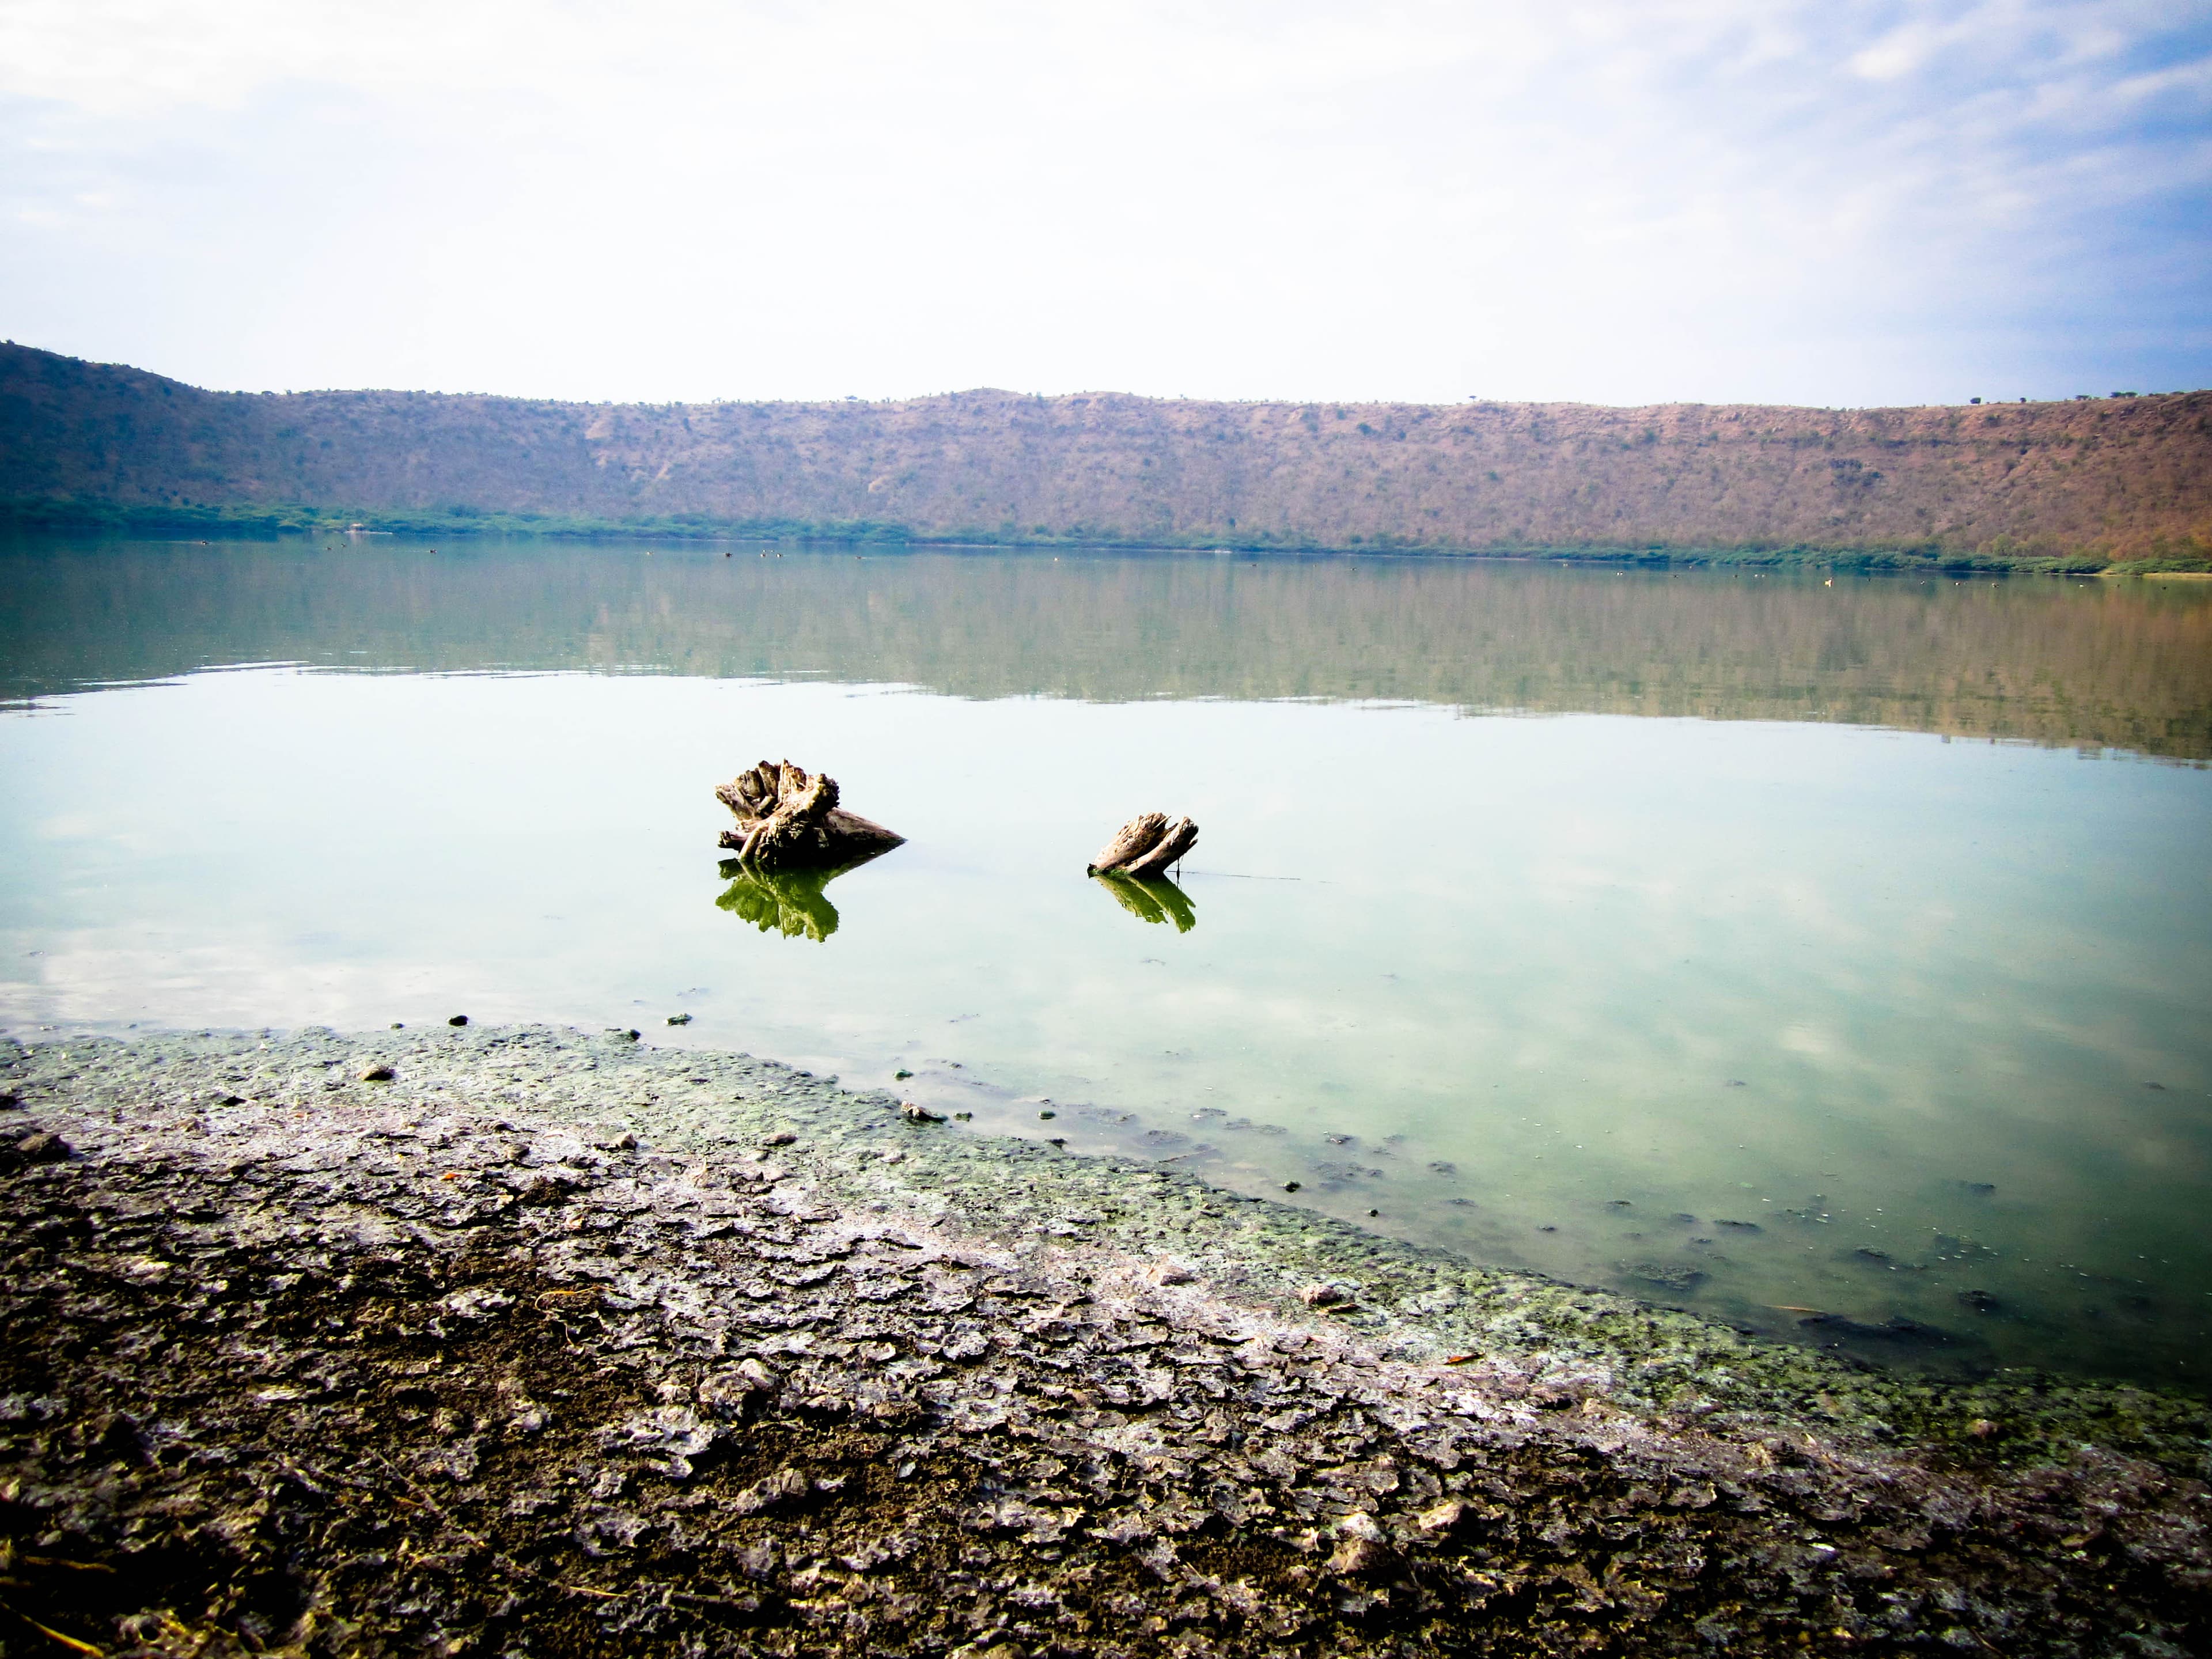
[
  {"x": 859, "y": 1150},
  {"x": 520, "y": 1339}
]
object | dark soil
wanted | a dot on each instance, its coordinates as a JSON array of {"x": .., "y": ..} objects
[{"x": 377, "y": 1371}]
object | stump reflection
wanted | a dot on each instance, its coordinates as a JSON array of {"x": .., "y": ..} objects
[
  {"x": 787, "y": 902},
  {"x": 1154, "y": 898}
]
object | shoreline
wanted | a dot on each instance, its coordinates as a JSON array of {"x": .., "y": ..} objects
[
  {"x": 1873, "y": 558},
  {"x": 856, "y": 1383}
]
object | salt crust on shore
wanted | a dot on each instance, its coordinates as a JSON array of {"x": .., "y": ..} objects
[{"x": 550, "y": 1343}]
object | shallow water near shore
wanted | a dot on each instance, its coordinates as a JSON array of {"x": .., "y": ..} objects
[{"x": 1743, "y": 980}]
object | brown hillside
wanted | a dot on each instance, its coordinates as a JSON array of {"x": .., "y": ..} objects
[{"x": 2117, "y": 476}]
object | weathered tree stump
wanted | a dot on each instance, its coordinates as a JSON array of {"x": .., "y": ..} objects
[
  {"x": 788, "y": 819},
  {"x": 1146, "y": 846}
]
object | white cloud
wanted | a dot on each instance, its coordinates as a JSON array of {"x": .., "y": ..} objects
[{"x": 1697, "y": 198}]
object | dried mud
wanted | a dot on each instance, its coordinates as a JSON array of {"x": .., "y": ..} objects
[{"x": 540, "y": 1343}]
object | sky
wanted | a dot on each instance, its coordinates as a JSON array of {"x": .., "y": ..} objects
[{"x": 1819, "y": 202}]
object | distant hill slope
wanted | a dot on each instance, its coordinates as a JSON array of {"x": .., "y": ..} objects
[{"x": 2105, "y": 479}]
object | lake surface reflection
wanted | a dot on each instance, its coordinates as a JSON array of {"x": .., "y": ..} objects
[{"x": 1740, "y": 984}]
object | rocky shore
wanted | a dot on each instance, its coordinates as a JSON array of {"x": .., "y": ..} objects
[{"x": 523, "y": 1341}]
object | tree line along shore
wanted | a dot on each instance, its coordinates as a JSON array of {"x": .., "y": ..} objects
[{"x": 2118, "y": 484}]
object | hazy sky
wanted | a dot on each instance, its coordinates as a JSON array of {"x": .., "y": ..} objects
[{"x": 1623, "y": 201}]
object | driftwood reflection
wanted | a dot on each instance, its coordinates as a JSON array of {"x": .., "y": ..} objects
[
  {"x": 1154, "y": 898},
  {"x": 787, "y": 902}
]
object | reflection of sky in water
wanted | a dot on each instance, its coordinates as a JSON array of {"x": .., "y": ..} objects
[{"x": 1892, "y": 1006}]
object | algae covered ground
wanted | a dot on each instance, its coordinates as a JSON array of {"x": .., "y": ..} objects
[{"x": 521, "y": 1340}]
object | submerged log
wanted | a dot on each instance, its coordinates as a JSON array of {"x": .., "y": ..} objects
[
  {"x": 1146, "y": 846},
  {"x": 788, "y": 819}
]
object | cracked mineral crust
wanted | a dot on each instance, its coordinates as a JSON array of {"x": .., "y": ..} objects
[{"x": 522, "y": 1341}]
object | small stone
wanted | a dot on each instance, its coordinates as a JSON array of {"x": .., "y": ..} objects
[
  {"x": 545, "y": 1189},
  {"x": 1440, "y": 1519},
  {"x": 1047, "y": 1114},
  {"x": 1981, "y": 1428},
  {"x": 773, "y": 1493},
  {"x": 914, "y": 1112},
  {"x": 901, "y": 1075},
  {"x": 781, "y": 1138},
  {"x": 459, "y": 1019},
  {"x": 1168, "y": 1273},
  {"x": 378, "y": 1072},
  {"x": 1292, "y": 1186},
  {"x": 679, "y": 1019},
  {"x": 1355, "y": 1556},
  {"x": 1324, "y": 1296},
  {"x": 41, "y": 1146}
]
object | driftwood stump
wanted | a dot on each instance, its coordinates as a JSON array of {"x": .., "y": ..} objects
[
  {"x": 1146, "y": 846},
  {"x": 788, "y": 819}
]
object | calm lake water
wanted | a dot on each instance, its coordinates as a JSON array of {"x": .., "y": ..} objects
[{"x": 1832, "y": 959}]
